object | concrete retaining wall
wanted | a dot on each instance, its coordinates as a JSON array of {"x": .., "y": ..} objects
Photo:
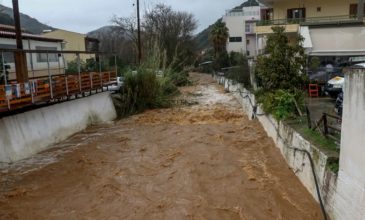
[
  {"x": 28, "y": 133},
  {"x": 284, "y": 137},
  {"x": 350, "y": 197}
]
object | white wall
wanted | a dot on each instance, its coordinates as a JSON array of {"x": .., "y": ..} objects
[
  {"x": 25, "y": 134},
  {"x": 350, "y": 198},
  {"x": 236, "y": 27}
]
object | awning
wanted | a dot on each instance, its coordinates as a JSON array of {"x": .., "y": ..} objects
[
  {"x": 304, "y": 31},
  {"x": 337, "y": 41}
]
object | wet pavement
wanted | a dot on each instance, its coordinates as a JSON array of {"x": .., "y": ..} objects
[{"x": 204, "y": 161}]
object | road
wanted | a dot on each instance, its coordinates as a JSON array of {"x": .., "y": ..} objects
[{"x": 204, "y": 160}]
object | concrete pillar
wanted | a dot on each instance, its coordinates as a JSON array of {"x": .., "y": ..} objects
[
  {"x": 360, "y": 10},
  {"x": 350, "y": 192}
]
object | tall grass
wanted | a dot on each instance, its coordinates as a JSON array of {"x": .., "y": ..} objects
[{"x": 151, "y": 85}]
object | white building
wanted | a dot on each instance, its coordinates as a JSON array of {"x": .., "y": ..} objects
[
  {"x": 240, "y": 22},
  {"x": 37, "y": 62}
]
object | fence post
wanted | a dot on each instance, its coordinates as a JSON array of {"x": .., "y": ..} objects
[
  {"x": 116, "y": 66},
  {"x": 4, "y": 69},
  {"x": 101, "y": 75},
  {"x": 79, "y": 69},
  {"x": 49, "y": 76},
  {"x": 325, "y": 123},
  {"x": 66, "y": 83},
  {"x": 309, "y": 120}
]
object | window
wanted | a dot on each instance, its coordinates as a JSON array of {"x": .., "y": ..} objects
[
  {"x": 8, "y": 56},
  {"x": 267, "y": 14},
  {"x": 248, "y": 28},
  {"x": 319, "y": 9},
  {"x": 235, "y": 39},
  {"x": 248, "y": 53},
  {"x": 296, "y": 13},
  {"x": 353, "y": 10},
  {"x": 247, "y": 42},
  {"x": 42, "y": 57}
]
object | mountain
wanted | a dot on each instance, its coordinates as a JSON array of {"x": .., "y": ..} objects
[
  {"x": 202, "y": 39},
  {"x": 28, "y": 23}
]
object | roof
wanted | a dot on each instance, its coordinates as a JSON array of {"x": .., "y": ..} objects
[
  {"x": 62, "y": 30},
  {"x": 248, "y": 3},
  {"x": 4, "y": 27},
  {"x": 8, "y": 34}
]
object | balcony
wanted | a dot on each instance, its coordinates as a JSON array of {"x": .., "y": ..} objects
[{"x": 314, "y": 21}]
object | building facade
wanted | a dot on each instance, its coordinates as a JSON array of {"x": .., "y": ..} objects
[
  {"x": 38, "y": 64},
  {"x": 331, "y": 28},
  {"x": 75, "y": 42},
  {"x": 240, "y": 22}
]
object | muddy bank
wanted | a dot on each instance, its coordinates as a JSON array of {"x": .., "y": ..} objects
[{"x": 205, "y": 161}]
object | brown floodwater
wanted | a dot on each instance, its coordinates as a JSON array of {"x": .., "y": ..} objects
[{"x": 199, "y": 161}]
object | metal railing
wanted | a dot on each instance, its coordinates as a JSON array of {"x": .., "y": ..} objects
[
  {"x": 51, "y": 88},
  {"x": 55, "y": 88},
  {"x": 342, "y": 19}
]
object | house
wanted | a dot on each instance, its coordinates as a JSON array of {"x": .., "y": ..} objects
[
  {"x": 36, "y": 62},
  {"x": 333, "y": 30},
  {"x": 75, "y": 42},
  {"x": 240, "y": 22}
]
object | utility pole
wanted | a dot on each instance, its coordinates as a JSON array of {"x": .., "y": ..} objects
[
  {"x": 20, "y": 56},
  {"x": 139, "y": 34}
]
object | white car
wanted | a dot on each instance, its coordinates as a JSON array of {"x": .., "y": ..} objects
[
  {"x": 362, "y": 65},
  {"x": 116, "y": 87}
]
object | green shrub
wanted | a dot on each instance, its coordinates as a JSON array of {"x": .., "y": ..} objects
[
  {"x": 241, "y": 71},
  {"x": 142, "y": 90},
  {"x": 280, "y": 103},
  {"x": 178, "y": 78}
]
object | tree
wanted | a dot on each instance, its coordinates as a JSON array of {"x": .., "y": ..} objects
[
  {"x": 173, "y": 33},
  {"x": 283, "y": 66},
  {"x": 219, "y": 36}
]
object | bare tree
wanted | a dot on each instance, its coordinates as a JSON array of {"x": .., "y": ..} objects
[{"x": 173, "y": 32}]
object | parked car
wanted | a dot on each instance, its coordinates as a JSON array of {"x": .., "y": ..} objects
[
  {"x": 362, "y": 65},
  {"x": 118, "y": 84},
  {"x": 334, "y": 86}
]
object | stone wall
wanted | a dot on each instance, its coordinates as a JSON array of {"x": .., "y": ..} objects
[{"x": 286, "y": 138}]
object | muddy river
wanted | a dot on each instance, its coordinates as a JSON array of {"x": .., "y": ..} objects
[{"x": 199, "y": 161}]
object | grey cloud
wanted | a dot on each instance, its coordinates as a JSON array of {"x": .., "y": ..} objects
[{"x": 86, "y": 15}]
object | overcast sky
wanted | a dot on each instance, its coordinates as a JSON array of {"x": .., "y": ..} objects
[{"x": 87, "y": 15}]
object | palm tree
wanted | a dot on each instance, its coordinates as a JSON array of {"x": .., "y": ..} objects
[{"x": 219, "y": 36}]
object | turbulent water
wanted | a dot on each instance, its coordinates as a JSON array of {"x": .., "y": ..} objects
[{"x": 204, "y": 161}]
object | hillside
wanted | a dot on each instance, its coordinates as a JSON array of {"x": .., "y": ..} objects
[
  {"x": 28, "y": 23},
  {"x": 202, "y": 39}
]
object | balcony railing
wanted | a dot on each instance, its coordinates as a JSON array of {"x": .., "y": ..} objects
[{"x": 343, "y": 19}]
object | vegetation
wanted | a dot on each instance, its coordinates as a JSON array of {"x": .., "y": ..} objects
[
  {"x": 171, "y": 30},
  {"x": 89, "y": 65},
  {"x": 219, "y": 36},
  {"x": 239, "y": 70},
  {"x": 150, "y": 86},
  {"x": 281, "y": 75}
]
